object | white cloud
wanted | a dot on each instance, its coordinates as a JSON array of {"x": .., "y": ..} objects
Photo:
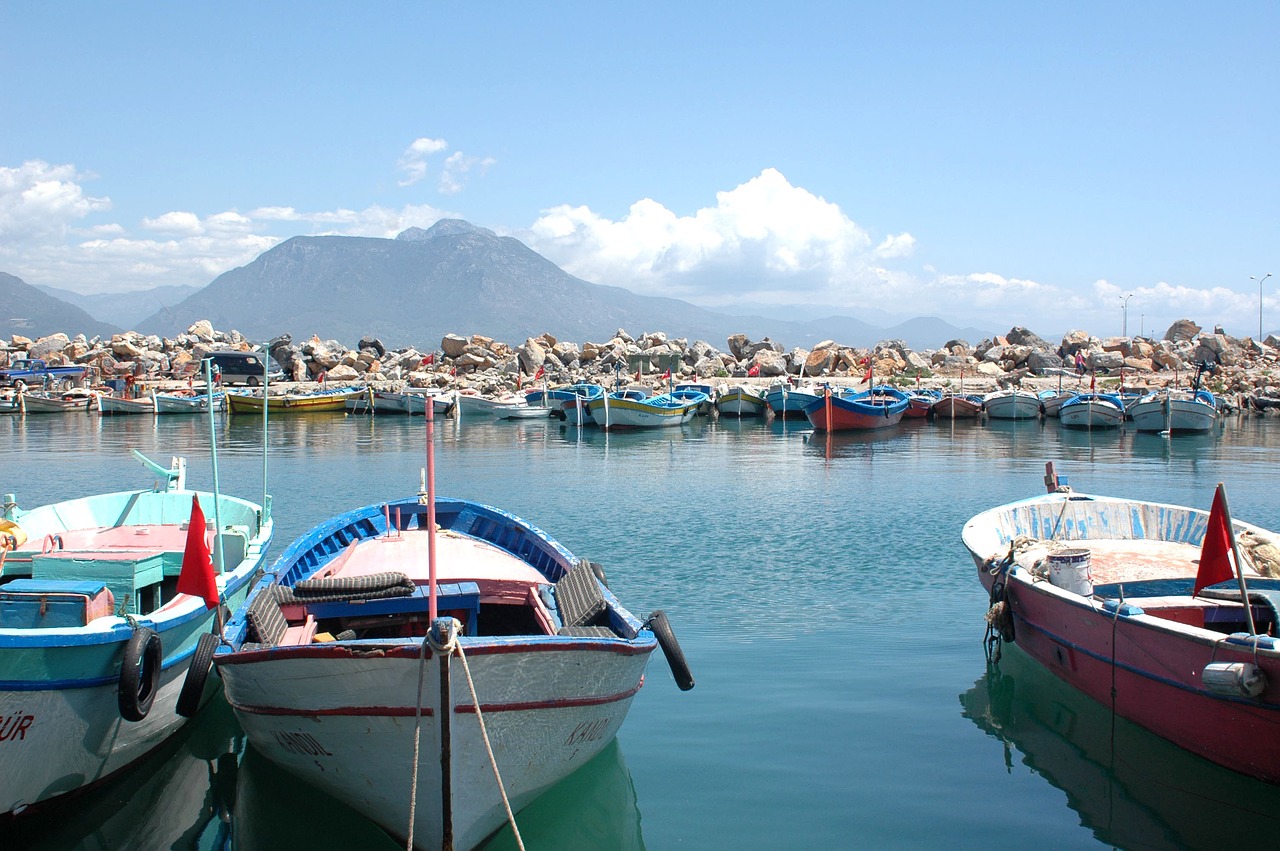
[
  {"x": 178, "y": 223},
  {"x": 39, "y": 201},
  {"x": 413, "y": 162},
  {"x": 763, "y": 241},
  {"x": 453, "y": 176}
]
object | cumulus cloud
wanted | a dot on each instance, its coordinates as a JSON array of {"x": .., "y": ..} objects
[
  {"x": 764, "y": 239},
  {"x": 413, "y": 162},
  {"x": 453, "y": 176},
  {"x": 39, "y": 202}
]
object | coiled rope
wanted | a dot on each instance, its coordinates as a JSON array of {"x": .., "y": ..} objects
[{"x": 450, "y": 645}]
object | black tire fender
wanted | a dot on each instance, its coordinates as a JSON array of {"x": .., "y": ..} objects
[
  {"x": 197, "y": 675},
  {"x": 139, "y": 674},
  {"x": 671, "y": 649}
]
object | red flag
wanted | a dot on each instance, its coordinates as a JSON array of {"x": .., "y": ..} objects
[
  {"x": 196, "y": 577},
  {"x": 754, "y": 371},
  {"x": 866, "y": 376},
  {"x": 666, "y": 375},
  {"x": 429, "y": 359},
  {"x": 1215, "y": 567},
  {"x": 1093, "y": 382},
  {"x": 541, "y": 372},
  {"x": 519, "y": 380}
]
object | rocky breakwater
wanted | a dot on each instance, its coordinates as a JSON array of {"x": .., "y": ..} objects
[{"x": 1232, "y": 366}]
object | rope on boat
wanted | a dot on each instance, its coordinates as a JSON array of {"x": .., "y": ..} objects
[
  {"x": 999, "y": 616},
  {"x": 484, "y": 733},
  {"x": 417, "y": 740}
]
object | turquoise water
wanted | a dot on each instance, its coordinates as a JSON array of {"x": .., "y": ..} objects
[{"x": 829, "y": 612}]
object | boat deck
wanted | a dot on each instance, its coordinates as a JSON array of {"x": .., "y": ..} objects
[{"x": 458, "y": 558}]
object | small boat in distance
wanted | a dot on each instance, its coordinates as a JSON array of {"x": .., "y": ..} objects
[
  {"x": 1012, "y": 404},
  {"x": 96, "y": 640},
  {"x": 317, "y": 401},
  {"x": 879, "y": 407},
  {"x": 789, "y": 401},
  {"x": 622, "y": 409},
  {"x": 741, "y": 401},
  {"x": 1092, "y": 410},
  {"x": 76, "y": 400},
  {"x": 550, "y": 663},
  {"x": 110, "y": 404},
  {"x": 1175, "y": 411},
  {"x": 1142, "y": 606},
  {"x": 958, "y": 406},
  {"x": 920, "y": 403},
  {"x": 188, "y": 402}
]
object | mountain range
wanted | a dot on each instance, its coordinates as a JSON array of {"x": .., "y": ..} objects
[{"x": 451, "y": 278}]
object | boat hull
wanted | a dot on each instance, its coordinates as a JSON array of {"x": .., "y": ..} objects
[
  {"x": 547, "y": 709},
  {"x": 1141, "y": 652},
  {"x": 630, "y": 413},
  {"x": 110, "y": 405},
  {"x": 34, "y": 403},
  {"x": 168, "y": 403},
  {"x": 292, "y": 403},
  {"x": 1087, "y": 411},
  {"x": 957, "y": 407},
  {"x": 790, "y": 404},
  {"x": 740, "y": 402},
  {"x": 867, "y": 411},
  {"x": 60, "y": 718},
  {"x": 1175, "y": 415},
  {"x": 1012, "y": 405}
]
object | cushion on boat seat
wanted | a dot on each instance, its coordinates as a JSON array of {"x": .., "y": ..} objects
[
  {"x": 372, "y": 586},
  {"x": 578, "y": 596},
  {"x": 266, "y": 622}
]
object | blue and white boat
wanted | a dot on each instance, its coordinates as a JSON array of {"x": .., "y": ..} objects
[
  {"x": 741, "y": 401},
  {"x": 1175, "y": 411},
  {"x": 1092, "y": 410},
  {"x": 789, "y": 401},
  {"x": 1012, "y": 404},
  {"x": 622, "y": 409},
  {"x": 95, "y": 640},
  {"x": 398, "y": 655}
]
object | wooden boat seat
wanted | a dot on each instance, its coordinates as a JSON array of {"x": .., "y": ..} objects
[
  {"x": 303, "y": 633},
  {"x": 579, "y": 598}
]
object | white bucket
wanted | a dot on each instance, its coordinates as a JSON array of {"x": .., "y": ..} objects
[{"x": 1069, "y": 570}]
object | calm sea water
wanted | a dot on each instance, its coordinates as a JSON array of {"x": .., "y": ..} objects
[{"x": 819, "y": 588}]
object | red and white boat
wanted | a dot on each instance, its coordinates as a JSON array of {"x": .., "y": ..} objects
[
  {"x": 357, "y": 672},
  {"x": 880, "y": 407},
  {"x": 1137, "y": 605}
]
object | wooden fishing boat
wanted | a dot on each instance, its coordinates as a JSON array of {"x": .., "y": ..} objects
[
  {"x": 95, "y": 640},
  {"x": 572, "y": 405},
  {"x": 1175, "y": 411},
  {"x": 958, "y": 406},
  {"x": 788, "y": 401},
  {"x": 1137, "y": 605},
  {"x": 1051, "y": 401},
  {"x": 1012, "y": 404},
  {"x": 411, "y": 401},
  {"x": 319, "y": 401},
  {"x": 188, "y": 402},
  {"x": 359, "y": 674},
  {"x": 1092, "y": 410},
  {"x": 920, "y": 403},
  {"x": 109, "y": 405},
  {"x": 77, "y": 400},
  {"x": 523, "y": 411},
  {"x": 472, "y": 404},
  {"x": 741, "y": 401},
  {"x": 621, "y": 409},
  {"x": 876, "y": 408},
  {"x": 704, "y": 393}
]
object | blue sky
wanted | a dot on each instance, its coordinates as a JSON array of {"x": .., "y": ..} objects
[{"x": 990, "y": 163}]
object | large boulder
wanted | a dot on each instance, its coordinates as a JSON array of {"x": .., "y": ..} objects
[
  {"x": 1040, "y": 361},
  {"x": 46, "y": 347},
  {"x": 1184, "y": 330},
  {"x": 1101, "y": 361},
  {"x": 1020, "y": 336}
]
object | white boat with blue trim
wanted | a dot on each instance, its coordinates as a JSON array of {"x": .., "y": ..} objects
[{"x": 472, "y": 635}]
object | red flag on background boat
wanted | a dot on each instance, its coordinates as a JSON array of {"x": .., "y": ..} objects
[
  {"x": 1215, "y": 567},
  {"x": 541, "y": 372},
  {"x": 1093, "y": 382},
  {"x": 196, "y": 577}
]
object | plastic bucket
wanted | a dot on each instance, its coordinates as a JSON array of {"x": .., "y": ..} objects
[{"x": 1069, "y": 570}]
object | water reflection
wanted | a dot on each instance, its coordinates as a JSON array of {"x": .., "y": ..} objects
[
  {"x": 181, "y": 796},
  {"x": 593, "y": 808},
  {"x": 1131, "y": 788}
]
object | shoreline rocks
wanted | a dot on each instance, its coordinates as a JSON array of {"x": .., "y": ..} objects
[{"x": 1230, "y": 366}]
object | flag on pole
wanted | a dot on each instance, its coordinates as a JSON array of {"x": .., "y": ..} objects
[
  {"x": 196, "y": 577},
  {"x": 541, "y": 372},
  {"x": 519, "y": 380},
  {"x": 866, "y": 376},
  {"x": 429, "y": 359},
  {"x": 666, "y": 374},
  {"x": 1215, "y": 567},
  {"x": 1093, "y": 382},
  {"x": 754, "y": 371}
]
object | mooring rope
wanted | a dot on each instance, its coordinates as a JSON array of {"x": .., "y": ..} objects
[
  {"x": 493, "y": 762},
  {"x": 417, "y": 740}
]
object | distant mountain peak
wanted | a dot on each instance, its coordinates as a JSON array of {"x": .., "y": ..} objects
[{"x": 443, "y": 228}]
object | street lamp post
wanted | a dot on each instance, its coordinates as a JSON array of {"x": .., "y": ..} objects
[
  {"x": 1259, "y": 280},
  {"x": 1124, "y": 311}
]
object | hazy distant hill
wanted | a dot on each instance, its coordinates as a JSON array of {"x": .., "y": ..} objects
[
  {"x": 27, "y": 311},
  {"x": 124, "y": 309},
  {"x": 454, "y": 278}
]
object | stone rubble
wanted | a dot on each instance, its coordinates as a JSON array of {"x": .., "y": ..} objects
[{"x": 1234, "y": 367}]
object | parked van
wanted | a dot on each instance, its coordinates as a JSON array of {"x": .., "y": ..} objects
[{"x": 242, "y": 367}]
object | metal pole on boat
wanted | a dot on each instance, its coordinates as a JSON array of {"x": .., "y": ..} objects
[
  {"x": 431, "y": 515},
  {"x": 1235, "y": 552},
  {"x": 265, "y": 381},
  {"x": 217, "y": 501}
]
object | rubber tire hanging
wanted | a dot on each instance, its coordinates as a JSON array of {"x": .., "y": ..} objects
[
  {"x": 671, "y": 649},
  {"x": 139, "y": 674},
  {"x": 197, "y": 675}
]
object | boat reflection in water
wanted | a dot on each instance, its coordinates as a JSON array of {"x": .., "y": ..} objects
[
  {"x": 1132, "y": 788},
  {"x": 593, "y": 808},
  {"x": 180, "y": 796}
]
